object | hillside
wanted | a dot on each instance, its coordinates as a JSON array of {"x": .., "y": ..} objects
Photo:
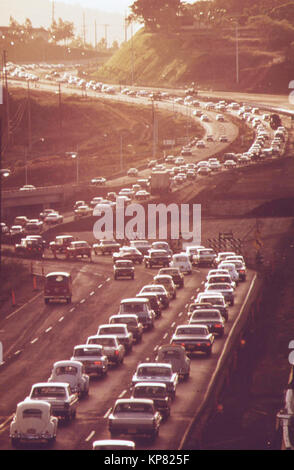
[
  {"x": 94, "y": 127},
  {"x": 207, "y": 58}
]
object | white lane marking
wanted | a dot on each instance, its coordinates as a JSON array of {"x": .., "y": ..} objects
[
  {"x": 2, "y": 425},
  {"x": 180, "y": 314},
  {"x": 122, "y": 393},
  {"x": 187, "y": 305},
  {"x": 198, "y": 289},
  {"x": 92, "y": 293},
  {"x": 202, "y": 282},
  {"x": 92, "y": 433},
  {"x": 156, "y": 347},
  {"x": 108, "y": 279},
  {"x": 61, "y": 318},
  {"x": 100, "y": 285},
  {"x": 107, "y": 413},
  {"x": 34, "y": 340},
  {"x": 82, "y": 301},
  {"x": 165, "y": 336},
  {"x": 173, "y": 324},
  {"x": 48, "y": 329},
  {"x": 17, "y": 352},
  {"x": 72, "y": 309}
]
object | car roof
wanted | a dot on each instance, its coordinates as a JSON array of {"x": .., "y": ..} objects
[
  {"x": 150, "y": 384},
  {"x": 134, "y": 299},
  {"x": 68, "y": 363},
  {"x": 58, "y": 273}
]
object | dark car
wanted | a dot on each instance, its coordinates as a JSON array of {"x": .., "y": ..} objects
[
  {"x": 194, "y": 338},
  {"x": 30, "y": 247},
  {"x": 123, "y": 268},
  {"x": 132, "y": 322},
  {"x": 211, "y": 318},
  {"x": 175, "y": 273},
  {"x": 78, "y": 249},
  {"x": 154, "y": 391},
  {"x": 157, "y": 258},
  {"x": 154, "y": 301}
]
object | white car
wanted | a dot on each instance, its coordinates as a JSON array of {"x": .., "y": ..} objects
[
  {"x": 53, "y": 218},
  {"x": 33, "y": 422},
  {"x": 232, "y": 270},
  {"x": 27, "y": 187},
  {"x": 132, "y": 172},
  {"x": 181, "y": 261}
]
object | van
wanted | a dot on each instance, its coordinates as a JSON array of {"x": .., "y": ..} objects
[{"x": 58, "y": 286}]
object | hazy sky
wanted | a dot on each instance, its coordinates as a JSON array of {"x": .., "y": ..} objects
[{"x": 113, "y": 6}]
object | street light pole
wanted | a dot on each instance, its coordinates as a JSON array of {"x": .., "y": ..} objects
[{"x": 237, "y": 53}]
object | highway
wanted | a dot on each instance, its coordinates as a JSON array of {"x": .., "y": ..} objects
[{"x": 36, "y": 335}]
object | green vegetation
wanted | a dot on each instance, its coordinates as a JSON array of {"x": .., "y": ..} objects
[{"x": 201, "y": 47}]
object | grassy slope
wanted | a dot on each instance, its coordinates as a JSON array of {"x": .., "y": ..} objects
[
  {"x": 207, "y": 59},
  {"x": 94, "y": 128}
]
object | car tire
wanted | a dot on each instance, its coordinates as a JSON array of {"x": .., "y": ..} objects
[
  {"x": 208, "y": 353},
  {"x": 186, "y": 376},
  {"x": 232, "y": 303},
  {"x": 46, "y": 301}
]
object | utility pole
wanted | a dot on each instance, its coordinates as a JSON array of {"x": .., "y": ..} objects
[
  {"x": 60, "y": 109},
  {"x": 132, "y": 49},
  {"x": 84, "y": 29},
  {"x": 237, "y": 53},
  {"x": 53, "y": 12},
  {"x": 95, "y": 35},
  {"x": 29, "y": 120},
  {"x": 7, "y": 98},
  {"x": 105, "y": 35}
]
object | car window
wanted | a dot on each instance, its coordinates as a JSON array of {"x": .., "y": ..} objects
[
  {"x": 132, "y": 307},
  {"x": 49, "y": 392},
  {"x": 68, "y": 370},
  {"x": 154, "y": 371},
  {"x": 190, "y": 331},
  {"x": 114, "y": 331},
  {"x": 142, "y": 392},
  {"x": 133, "y": 407},
  {"x": 32, "y": 413}
]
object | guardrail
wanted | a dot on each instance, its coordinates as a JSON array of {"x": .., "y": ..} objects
[{"x": 226, "y": 364}]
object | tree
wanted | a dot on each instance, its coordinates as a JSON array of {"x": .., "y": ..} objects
[
  {"x": 62, "y": 31},
  {"x": 279, "y": 34},
  {"x": 155, "y": 13}
]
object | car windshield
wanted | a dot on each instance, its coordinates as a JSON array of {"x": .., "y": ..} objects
[
  {"x": 133, "y": 307},
  {"x": 129, "y": 321},
  {"x": 58, "y": 279},
  {"x": 123, "y": 264},
  {"x": 49, "y": 392},
  {"x": 154, "y": 371},
  {"x": 32, "y": 413},
  {"x": 133, "y": 408},
  {"x": 206, "y": 314},
  {"x": 213, "y": 300},
  {"x": 181, "y": 259},
  {"x": 152, "y": 289},
  {"x": 205, "y": 252},
  {"x": 148, "y": 391},
  {"x": 66, "y": 370},
  {"x": 117, "y": 330},
  {"x": 170, "y": 354},
  {"x": 110, "y": 342},
  {"x": 218, "y": 286},
  {"x": 191, "y": 331}
]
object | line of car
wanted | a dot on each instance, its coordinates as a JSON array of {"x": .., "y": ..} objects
[{"x": 153, "y": 386}]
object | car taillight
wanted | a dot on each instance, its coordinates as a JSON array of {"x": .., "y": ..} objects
[
  {"x": 207, "y": 344},
  {"x": 218, "y": 325},
  {"x": 116, "y": 352},
  {"x": 98, "y": 363}
]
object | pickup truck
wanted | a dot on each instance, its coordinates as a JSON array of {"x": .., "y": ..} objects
[
  {"x": 63, "y": 401},
  {"x": 157, "y": 372},
  {"x": 194, "y": 338},
  {"x": 157, "y": 392},
  {"x": 78, "y": 249},
  {"x": 134, "y": 416}
]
